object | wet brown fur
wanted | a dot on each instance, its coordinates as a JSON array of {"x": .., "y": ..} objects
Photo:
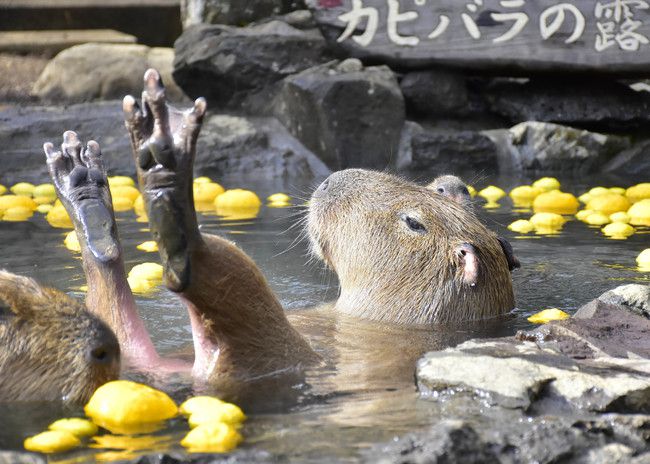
[
  {"x": 45, "y": 340},
  {"x": 240, "y": 313}
]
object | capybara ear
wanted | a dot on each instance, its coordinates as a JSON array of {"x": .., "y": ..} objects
[
  {"x": 18, "y": 294},
  {"x": 469, "y": 262},
  {"x": 513, "y": 262}
]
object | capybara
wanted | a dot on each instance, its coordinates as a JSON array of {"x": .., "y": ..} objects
[
  {"x": 51, "y": 348},
  {"x": 453, "y": 187}
]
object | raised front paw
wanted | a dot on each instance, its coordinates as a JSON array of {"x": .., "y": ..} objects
[
  {"x": 80, "y": 181},
  {"x": 163, "y": 140}
]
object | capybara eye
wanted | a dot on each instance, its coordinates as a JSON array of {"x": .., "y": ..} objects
[
  {"x": 414, "y": 224},
  {"x": 441, "y": 190}
]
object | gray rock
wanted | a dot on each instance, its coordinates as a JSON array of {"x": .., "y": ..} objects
[
  {"x": 300, "y": 19},
  {"x": 453, "y": 151},
  {"x": 103, "y": 72},
  {"x": 20, "y": 457},
  {"x": 633, "y": 161},
  {"x": 405, "y": 151},
  {"x": 23, "y": 130},
  {"x": 595, "y": 103},
  {"x": 449, "y": 441},
  {"x": 227, "y": 146},
  {"x": 537, "y": 146},
  {"x": 233, "y": 12},
  {"x": 348, "y": 116},
  {"x": 227, "y": 65},
  {"x": 634, "y": 296},
  {"x": 508, "y": 437},
  {"x": 436, "y": 93},
  {"x": 598, "y": 329},
  {"x": 535, "y": 376},
  {"x": 614, "y": 453},
  {"x": 235, "y": 146}
]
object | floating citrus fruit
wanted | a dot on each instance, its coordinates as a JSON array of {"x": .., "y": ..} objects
[
  {"x": 547, "y": 315},
  {"x": 122, "y": 406}
]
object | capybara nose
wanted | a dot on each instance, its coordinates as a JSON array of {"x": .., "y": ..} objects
[{"x": 104, "y": 352}]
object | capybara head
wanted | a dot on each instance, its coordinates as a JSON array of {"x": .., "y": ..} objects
[
  {"x": 452, "y": 187},
  {"x": 406, "y": 254},
  {"x": 51, "y": 348}
]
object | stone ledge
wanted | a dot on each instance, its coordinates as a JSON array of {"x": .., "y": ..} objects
[{"x": 52, "y": 42}]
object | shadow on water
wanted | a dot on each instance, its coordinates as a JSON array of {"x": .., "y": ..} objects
[{"x": 364, "y": 390}]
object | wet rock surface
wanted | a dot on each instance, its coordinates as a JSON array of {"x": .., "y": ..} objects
[
  {"x": 228, "y": 145},
  {"x": 88, "y": 72},
  {"x": 228, "y": 65},
  {"x": 570, "y": 391},
  {"x": 538, "y": 146},
  {"x": 348, "y": 114},
  {"x": 518, "y": 439}
]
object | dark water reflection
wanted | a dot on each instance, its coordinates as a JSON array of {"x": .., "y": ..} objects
[{"x": 364, "y": 392}]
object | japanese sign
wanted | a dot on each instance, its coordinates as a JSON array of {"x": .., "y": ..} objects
[{"x": 608, "y": 35}]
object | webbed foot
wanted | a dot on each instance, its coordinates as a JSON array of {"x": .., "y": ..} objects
[
  {"x": 163, "y": 140},
  {"x": 80, "y": 182}
]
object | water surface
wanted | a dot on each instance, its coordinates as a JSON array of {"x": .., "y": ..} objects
[{"x": 364, "y": 391}]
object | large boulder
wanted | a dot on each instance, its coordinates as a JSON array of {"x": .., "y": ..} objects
[
  {"x": 227, "y": 65},
  {"x": 23, "y": 130},
  {"x": 438, "y": 92},
  {"x": 234, "y": 146},
  {"x": 233, "y": 12},
  {"x": 595, "y": 103},
  {"x": 452, "y": 151},
  {"x": 350, "y": 116},
  {"x": 528, "y": 374},
  {"x": 538, "y": 146},
  {"x": 598, "y": 360},
  {"x": 95, "y": 71},
  {"x": 228, "y": 147}
]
